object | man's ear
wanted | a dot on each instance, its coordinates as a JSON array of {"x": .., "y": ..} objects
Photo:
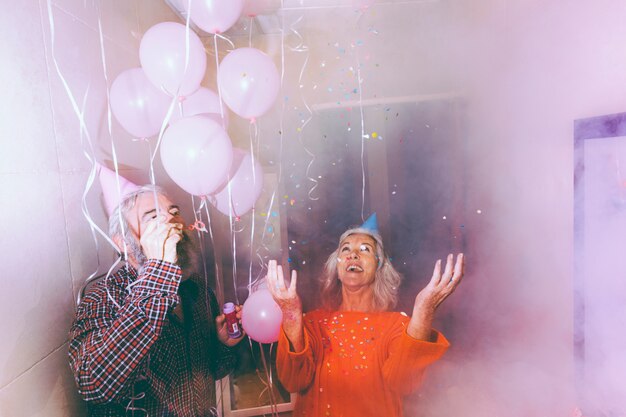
[{"x": 119, "y": 243}]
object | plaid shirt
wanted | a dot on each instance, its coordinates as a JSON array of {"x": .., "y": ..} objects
[{"x": 141, "y": 356}]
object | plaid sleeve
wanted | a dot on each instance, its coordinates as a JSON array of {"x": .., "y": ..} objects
[{"x": 106, "y": 343}]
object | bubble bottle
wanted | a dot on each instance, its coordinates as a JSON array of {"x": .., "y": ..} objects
[{"x": 231, "y": 321}]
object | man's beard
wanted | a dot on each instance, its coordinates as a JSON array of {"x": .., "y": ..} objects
[{"x": 187, "y": 253}]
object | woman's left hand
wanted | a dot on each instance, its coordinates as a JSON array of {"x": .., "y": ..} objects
[
  {"x": 222, "y": 329},
  {"x": 440, "y": 286}
]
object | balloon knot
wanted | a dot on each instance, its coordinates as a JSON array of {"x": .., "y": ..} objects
[
  {"x": 181, "y": 99},
  {"x": 252, "y": 120},
  {"x": 198, "y": 225}
]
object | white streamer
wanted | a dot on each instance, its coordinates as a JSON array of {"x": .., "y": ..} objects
[
  {"x": 301, "y": 47},
  {"x": 359, "y": 81},
  {"x": 84, "y": 136}
]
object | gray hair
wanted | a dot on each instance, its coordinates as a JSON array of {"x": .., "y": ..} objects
[
  {"x": 118, "y": 226},
  {"x": 386, "y": 281}
]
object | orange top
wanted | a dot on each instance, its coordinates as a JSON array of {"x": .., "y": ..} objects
[{"x": 355, "y": 364}]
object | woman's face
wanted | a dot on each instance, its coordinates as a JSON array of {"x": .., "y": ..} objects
[{"x": 357, "y": 262}]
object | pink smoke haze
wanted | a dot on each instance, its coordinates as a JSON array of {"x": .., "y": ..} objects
[{"x": 465, "y": 110}]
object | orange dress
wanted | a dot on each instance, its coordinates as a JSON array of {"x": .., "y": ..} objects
[{"x": 355, "y": 364}]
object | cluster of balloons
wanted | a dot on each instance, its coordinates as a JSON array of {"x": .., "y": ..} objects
[{"x": 196, "y": 150}]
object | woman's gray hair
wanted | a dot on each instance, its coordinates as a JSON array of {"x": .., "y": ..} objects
[
  {"x": 118, "y": 225},
  {"x": 386, "y": 281}
]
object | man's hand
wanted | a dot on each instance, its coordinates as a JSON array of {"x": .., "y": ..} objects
[
  {"x": 222, "y": 329},
  {"x": 159, "y": 239}
]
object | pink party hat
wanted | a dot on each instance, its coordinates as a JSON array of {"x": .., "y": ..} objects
[{"x": 110, "y": 191}]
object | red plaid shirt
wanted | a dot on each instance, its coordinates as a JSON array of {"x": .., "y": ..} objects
[{"x": 141, "y": 356}]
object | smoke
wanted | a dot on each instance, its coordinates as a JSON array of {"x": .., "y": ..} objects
[{"x": 467, "y": 108}]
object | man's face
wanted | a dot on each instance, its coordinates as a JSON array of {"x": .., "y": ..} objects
[
  {"x": 139, "y": 217},
  {"x": 145, "y": 211}
]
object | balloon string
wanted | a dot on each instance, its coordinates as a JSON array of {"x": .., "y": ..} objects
[
  {"x": 155, "y": 196},
  {"x": 284, "y": 102},
  {"x": 218, "y": 274},
  {"x": 219, "y": 395},
  {"x": 272, "y": 346},
  {"x": 253, "y": 214},
  {"x": 84, "y": 136},
  {"x": 187, "y": 46},
  {"x": 265, "y": 376},
  {"x": 228, "y": 184},
  {"x": 250, "y": 32},
  {"x": 269, "y": 385},
  {"x": 232, "y": 45},
  {"x": 361, "y": 12},
  {"x": 197, "y": 215},
  {"x": 176, "y": 101},
  {"x": 301, "y": 47},
  {"x": 360, "y": 81},
  {"x": 301, "y": 134},
  {"x": 217, "y": 75},
  {"x": 263, "y": 241},
  {"x": 113, "y": 148}
]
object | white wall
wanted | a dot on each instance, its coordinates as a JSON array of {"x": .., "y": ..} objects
[
  {"x": 47, "y": 249},
  {"x": 528, "y": 68}
]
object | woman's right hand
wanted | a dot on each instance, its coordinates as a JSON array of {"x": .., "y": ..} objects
[
  {"x": 286, "y": 297},
  {"x": 288, "y": 301}
]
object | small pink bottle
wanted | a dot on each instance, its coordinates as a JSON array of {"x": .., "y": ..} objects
[{"x": 232, "y": 324}]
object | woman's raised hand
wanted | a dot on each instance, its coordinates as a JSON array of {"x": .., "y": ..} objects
[
  {"x": 286, "y": 297},
  {"x": 289, "y": 302},
  {"x": 440, "y": 286}
]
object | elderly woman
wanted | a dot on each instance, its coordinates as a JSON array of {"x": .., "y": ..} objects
[{"x": 355, "y": 357}]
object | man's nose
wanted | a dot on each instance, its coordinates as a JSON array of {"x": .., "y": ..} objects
[{"x": 169, "y": 217}]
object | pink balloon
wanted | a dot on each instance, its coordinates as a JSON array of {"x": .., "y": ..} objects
[
  {"x": 163, "y": 53},
  {"x": 261, "y": 317},
  {"x": 253, "y": 8},
  {"x": 137, "y": 104},
  {"x": 203, "y": 102},
  {"x": 215, "y": 16},
  {"x": 246, "y": 184},
  {"x": 249, "y": 82},
  {"x": 196, "y": 153}
]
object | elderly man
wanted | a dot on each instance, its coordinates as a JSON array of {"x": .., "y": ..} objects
[{"x": 149, "y": 340}]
